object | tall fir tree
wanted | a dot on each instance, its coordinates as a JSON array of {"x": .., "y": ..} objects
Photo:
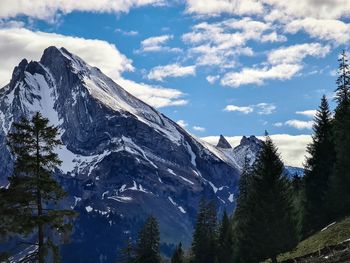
[
  {"x": 178, "y": 255},
  {"x": 204, "y": 244},
  {"x": 148, "y": 250},
  {"x": 30, "y": 202},
  {"x": 339, "y": 196},
  {"x": 318, "y": 168},
  {"x": 243, "y": 219},
  {"x": 225, "y": 243},
  {"x": 268, "y": 208}
]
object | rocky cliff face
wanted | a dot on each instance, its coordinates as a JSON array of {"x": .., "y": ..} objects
[{"x": 122, "y": 159}]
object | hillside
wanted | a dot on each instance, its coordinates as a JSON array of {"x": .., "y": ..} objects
[{"x": 331, "y": 244}]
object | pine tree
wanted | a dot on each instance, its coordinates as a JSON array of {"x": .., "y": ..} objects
[
  {"x": 298, "y": 200},
  {"x": 205, "y": 234},
  {"x": 127, "y": 252},
  {"x": 243, "y": 219},
  {"x": 178, "y": 256},
  {"x": 318, "y": 168},
  {"x": 225, "y": 242},
  {"x": 339, "y": 196},
  {"x": 267, "y": 215},
  {"x": 29, "y": 203},
  {"x": 148, "y": 244}
]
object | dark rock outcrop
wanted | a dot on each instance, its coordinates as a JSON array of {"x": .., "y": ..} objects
[{"x": 223, "y": 143}]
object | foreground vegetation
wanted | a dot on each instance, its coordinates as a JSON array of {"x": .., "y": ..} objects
[{"x": 332, "y": 235}]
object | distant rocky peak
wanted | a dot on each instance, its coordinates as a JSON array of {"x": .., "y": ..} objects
[
  {"x": 251, "y": 140},
  {"x": 18, "y": 72},
  {"x": 223, "y": 143},
  {"x": 61, "y": 60}
]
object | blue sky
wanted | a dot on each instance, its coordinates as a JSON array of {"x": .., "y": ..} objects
[{"x": 229, "y": 67}]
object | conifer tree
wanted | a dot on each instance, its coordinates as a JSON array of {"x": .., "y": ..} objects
[
  {"x": 270, "y": 191},
  {"x": 29, "y": 203},
  {"x": 205, "y": 234},
  {"x": 225, "y": 242},
  {"x": 318, "y": 168},
  {"x": 339, "y": 196},
  {"x": 267, "y": 216},
  {"x": 298, "y": 200},
  {"x": 178, "y": 256},
  {"x": 148, "y": 243},
  {"x": 127, "y": 252},
  {"x": 243, "y": 219}
]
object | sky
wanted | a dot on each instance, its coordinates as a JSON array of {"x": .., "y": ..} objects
[{"x": 231, "y": 67}]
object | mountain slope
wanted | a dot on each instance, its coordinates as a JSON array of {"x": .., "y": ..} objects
[
  {"x": 330, "y": 244},
  {"x": 122, "y": 159}
]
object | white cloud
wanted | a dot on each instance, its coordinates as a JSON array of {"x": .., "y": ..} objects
[
  {"x": 182, "y": 123},
  {"x": 319, "y": 18},
  {"x": 324, "y": 29},
  {"x": 296, "y": 53},
  {"x": 327, "y": 9},
  {"x": 273, "y": 37},
  {"x": 307, "y": 113},
  {"x": 330, "y": 9},
  {"x": 266, "y": 108},
  {"x": 199, "y": 129},
  {"x": 291, "y": 147},
  {"x": 212, "y": 79},
  {"x": 278, "y": 124},
  {"x": 300, "y": 125},
  {"x": 155, "y": 41},
  {"x": 19, "y": 43},
  {"x": 216, "y": 7},
  {"x": 262, "y": 108},
  {"x": 243, "y": 109},
  {"x": 127, "y": 33},
  {"x": 222, "y": 42},
  {"x": 258, "y": 76},
  {"x": 171, "y": 70},
  {"x": 283, "y": 63},
  {"x": 48, "y": 9},
  {"x": 156, "y": 44},
  {"x": 155, "y": 96}
]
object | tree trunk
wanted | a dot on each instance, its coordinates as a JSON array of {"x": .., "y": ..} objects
[
  {"x": 273, "y": 259},
  {"x": 41, "y": 250},
  {"x": 40, "y": 230}
]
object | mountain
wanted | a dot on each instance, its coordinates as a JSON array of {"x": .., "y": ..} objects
[
  {"x": 122, "y": 159},
  {"x": 249, "y": 148}
]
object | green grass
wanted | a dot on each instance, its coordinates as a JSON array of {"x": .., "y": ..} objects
[{"x": 333, "y": 235}]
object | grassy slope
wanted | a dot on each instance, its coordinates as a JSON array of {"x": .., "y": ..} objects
[{"x": 333, "y": 235}]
